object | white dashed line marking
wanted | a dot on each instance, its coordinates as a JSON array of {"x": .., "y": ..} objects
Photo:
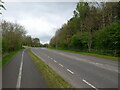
[
  {"x": 70, "y": 71},
  {"x": 89, "y": 84},
  {"x": 55, "y": 61},
  {"x": 61, "y": 65},
  {"x": 98, "y": 63},
  {"x": 51, "y": 58}
]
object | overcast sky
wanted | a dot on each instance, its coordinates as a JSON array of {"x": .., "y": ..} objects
[{"x": 40, "y": 19}]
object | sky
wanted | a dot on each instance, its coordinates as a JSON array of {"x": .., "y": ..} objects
[{"x": 40, "y": 19}]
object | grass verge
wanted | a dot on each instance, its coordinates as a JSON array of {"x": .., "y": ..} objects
[
  {"x": 52, "y": 79},
  {"x": 89, "y": 53},
  {"x": 8, "y": 57}
]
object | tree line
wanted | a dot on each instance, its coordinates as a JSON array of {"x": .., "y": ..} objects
[
  {"x": 93, "y": 27},
  {"x": 14, "y": 37}
]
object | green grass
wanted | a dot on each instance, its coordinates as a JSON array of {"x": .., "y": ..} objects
[
  {"x": 90, "y": 54},
  {"x": 7, "y": 58},
  {"x": 52, "y": 79}
]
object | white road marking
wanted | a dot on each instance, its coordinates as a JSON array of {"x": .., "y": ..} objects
[
  {"x": 20, "y": 72},
  {"x": 61, "y": 65},
  {"x": 70, "y": 71},
  {"x": 55, "y": 61},
  {"x": 104, "y": 66},
  {"x": 98, "y": 63},
  {"x": 51, "y": 58},
  {"x": 48, "y": 56},
  {"x": 89, "y": 84},
  {"x": 37, "y": 55}
]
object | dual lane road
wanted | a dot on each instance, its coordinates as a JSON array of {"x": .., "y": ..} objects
[{"x": 81, "y": 71}]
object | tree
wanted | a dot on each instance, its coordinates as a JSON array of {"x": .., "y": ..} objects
[
  {"x": 88, "y": 19},
  {"x": 36, "y": 42},
  {"x": 27, "y": 40},
  {"x": 12, "y": 36},
  {"x": 2, "y": 6},
  {"x": 108, "y": 38}
]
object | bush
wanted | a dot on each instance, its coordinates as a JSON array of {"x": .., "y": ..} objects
[
  {"x": 108, "y": 38},
  {"x": 79, "y": 41}
]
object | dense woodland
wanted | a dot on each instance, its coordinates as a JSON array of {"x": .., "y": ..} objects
[
  {"x": 14, "y": 37},
  {"x": 94, "y": 27}
]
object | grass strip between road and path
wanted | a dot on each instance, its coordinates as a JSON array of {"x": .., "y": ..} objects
[
  {"x": 52, "y": 79},
  {"x": 89, "y": 53},
  {"x": 8, "y": 57}
]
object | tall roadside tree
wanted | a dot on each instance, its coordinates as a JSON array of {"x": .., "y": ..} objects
[
  {"x": 27, "y": 40},
  {"x": 88, "y": 19},
  {"x": 81, "y": 12},
  {"x": 36, "y": 42},
  {"x": 12, "y": 36},
  {"x": 87, "y": 12}
]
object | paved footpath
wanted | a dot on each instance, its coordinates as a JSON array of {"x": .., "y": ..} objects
[{"x": 21, "y": 72}]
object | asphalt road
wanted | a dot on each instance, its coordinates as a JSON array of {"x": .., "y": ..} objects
[
  {"x": 21, "y": 72},
  {"x": 81, "y": 71}
]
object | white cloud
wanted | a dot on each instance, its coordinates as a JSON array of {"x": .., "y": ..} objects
[
  {"x": 61, "y": 0},
  {"x": 41, "y": 0},
  {"x": 40, "y": 19},
  {"x": 37, "y": 26}
]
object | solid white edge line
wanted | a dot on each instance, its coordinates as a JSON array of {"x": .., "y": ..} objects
[
  {"x": 89, "y": 84},
  {"x": 61, "y": 65},
  {"x": 20, "y": 72},
  {"x": 55, "y": 61},
  {"x": 70, "y": 71}
]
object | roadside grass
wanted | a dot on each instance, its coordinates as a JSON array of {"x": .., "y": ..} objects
[
  {"x": 26, "y": 46},
  {"x": 8, "y": 57},
  {"x": 52, "y": 79},
  {"x": 89, "y": 53}
]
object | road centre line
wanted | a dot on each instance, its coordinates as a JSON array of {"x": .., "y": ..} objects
[
  {"x": 61, "y": 65},
  {"x": 89, "y": 84},
  {"x": 98, "y": 63},
  {"x": 20, "y": 73},
  {"x": 55, "y": 61},
  {"x": 70, "y": 71}
]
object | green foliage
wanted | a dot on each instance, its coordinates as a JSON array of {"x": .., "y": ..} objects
[
  {"x": 81, "y": 10},
  {"x": 79, "y": 40},
  {"x": 94, "y": 27},
  {"x": 45, "y": 45},
  {"x": 75, "y": 41},
  {"x": 29, "y": 41},
  {"x": 96, "y": 54},
  {"x": 4, "y": 45},
  {"x": 35, "y": 42},
  {"x": 12, "y": 36},
  {"x": 6, "y": 58},
  {"x": 108, "y": 38}
]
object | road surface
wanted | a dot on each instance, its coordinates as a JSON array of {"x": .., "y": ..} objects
[
  {"x": 21, "y": 72},
  {"x": 81, "y": 71}
]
